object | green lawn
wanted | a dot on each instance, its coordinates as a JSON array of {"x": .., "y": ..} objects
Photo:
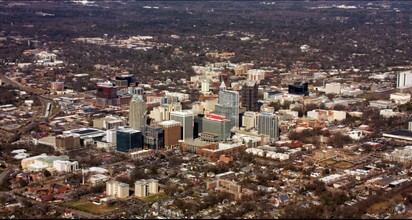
[
  {"x": 87, "y": 206},
  {"x": 155, "y": 197}
]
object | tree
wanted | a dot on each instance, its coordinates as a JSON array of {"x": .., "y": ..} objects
[{"x": 46, "y": 173}]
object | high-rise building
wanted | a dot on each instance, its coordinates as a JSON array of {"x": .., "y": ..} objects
[
  {"x": 111, "y": 136},
  {"x": 108, "y": 122},
  {"x": 106, "y": 94},
  {"x": 153, "y": 137},
  {"x": 249, "y": 95},
  {"x": 67, "y": 141},
  {"x": 215, "y": 128},
  {"x": 162, "y": 113},
  {"x": 153, "y": 186},
  {"x": 172, "y": 132},
  {"x": 140, "y": 188},
  {"x": 146, "y": 187},
  {"x": 404, "y": 79},
  {"x": 250, "y": 120},
  {"x": 128, "y": 139},
  {"x": 228, "y": 105},
  {"x": 125, "y": 80},
  {"x": 197, "y": 125},
  {"x": 117, "y": 189},
  {"x": 186, "y": 119},
  {"x": 299, "y": 89},
  {"x": 137, "y": 111},
  {"x": 205, "y": 86},
  {"x": 268, "y": 124}
]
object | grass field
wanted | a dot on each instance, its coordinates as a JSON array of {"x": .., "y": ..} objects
[
  {"x": 155, "y": 197},
  {"x": 87, "y": 206}
]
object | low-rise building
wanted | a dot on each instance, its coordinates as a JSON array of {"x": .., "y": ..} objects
[
  {"x": 400, "y": 98},
  {"x": 400, "y": 156}
]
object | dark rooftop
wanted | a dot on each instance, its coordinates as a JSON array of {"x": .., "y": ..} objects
[{"x": 402, "y": 132}]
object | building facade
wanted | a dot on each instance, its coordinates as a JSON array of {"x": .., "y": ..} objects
[
  {"x": 186, "y": 120},
  {"x": 268, "y": 124},
  {"x": 172, "y": 132},
  {"x": 137, "y": 112},
  {"x": 228, "y": 105},
  {"x": 215, "y": 128},
  {"x": 117, "y": 189},
  {"x": 249, "y": 95},
  {"x": 153, "y": 137},
  {"x": 128, "y": 139}
]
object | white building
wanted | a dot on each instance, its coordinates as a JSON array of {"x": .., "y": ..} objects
[
  {"x": 205, "y": 87},
  {"x": 326, "y": 115},
  {"x": 256, "y": 75},
  {"x": 404, "y": 79},
  {"x": 153, "y": 186},
  {"x": 204, "y": 107},
  {"x": 162, "y": 113},
  {"x": 387, "y": 113},
  {"x": 400, "y": 156},
  {"x": 400, "y": 98},
  {"x": 65, "y": 166},
  {"x": 186, "y": 120},
  {"x": 117, "y": 189},
  {"x": 146, "y": 187},
  {"x": 140, "y": 188},
  {"x": 111, "y": 136},
  {"x": 249, "y": 120},
  {"x": 333, "y": 88}
]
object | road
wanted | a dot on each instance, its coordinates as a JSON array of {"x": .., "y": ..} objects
[{"x": 44, "y": 116}]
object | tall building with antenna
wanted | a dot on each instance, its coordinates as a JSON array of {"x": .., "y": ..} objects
[{"x": 137, "y": 111}]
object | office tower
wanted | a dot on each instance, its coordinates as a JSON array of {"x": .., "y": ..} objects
[
  {"x": 153, "y": 137},
  {"x": 228, "y": 105},
  {"x": 135, "y": 90},
  {"x": 106, "y": 94},
  {"x": 186, "y": 119},
  {"x": 268, "y": 124},
  {"x": 137, "y": 112},
  {"x": 128, "y": 139},
  {"x": 205, "y": 86},
  {"x": 67, "y": 141},
  {"x": 249, "y": 120},
  {"x": 197, "y": 125},
  {"x": 172, "y": 132},
  {"x": 299, "y": 89},
  {"x": 249, "y": 95},
  {"x": 404, "y": 79},
  {"x": 215, "y": 128},
  {"x": 125, "y": 80},
  {"x": 111, "y": 136},
  {"x": 162, "y": 112}
]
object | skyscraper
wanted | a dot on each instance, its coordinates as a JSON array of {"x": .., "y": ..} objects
[
  {"x": 186, "y": 119},
  {"x": 172, "y": 132},
  {"x": 228, "y": 105},
  {"x": 249, "y": 94},
  {"x": 268, "y": 124},
  {"x": 154, "y": 137},
  {"x": 137, "y": 111},
  {"x": 128, "y": 139},
  {"x": 215, "y": 128}
]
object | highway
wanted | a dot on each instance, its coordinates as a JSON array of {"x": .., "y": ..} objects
[{"x": 47, "y": 108}]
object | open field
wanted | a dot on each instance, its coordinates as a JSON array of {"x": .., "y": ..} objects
[
  {"x": 155, "y": 197},
  {"x": 88, "y": 206}
]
